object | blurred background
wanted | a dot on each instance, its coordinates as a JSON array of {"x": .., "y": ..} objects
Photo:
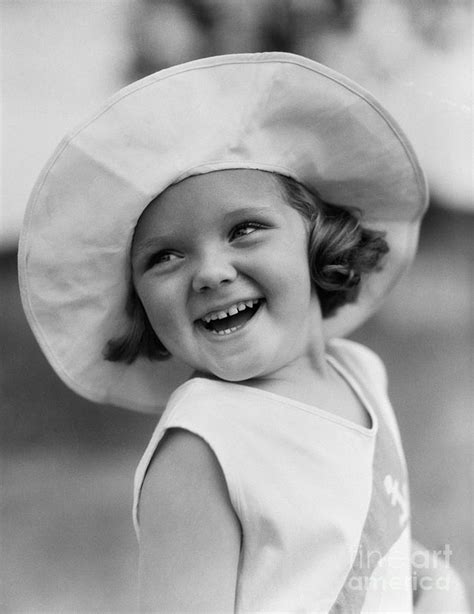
[{"x": 67, "y": 465}]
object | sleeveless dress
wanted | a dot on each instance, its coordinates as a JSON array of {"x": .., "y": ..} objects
[{"x": 323, "y": 502}]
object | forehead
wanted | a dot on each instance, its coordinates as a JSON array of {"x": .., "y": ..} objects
[{"x": 206, "y": 196}]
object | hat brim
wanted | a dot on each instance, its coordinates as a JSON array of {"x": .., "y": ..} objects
[{"x": 274, "y": 111}]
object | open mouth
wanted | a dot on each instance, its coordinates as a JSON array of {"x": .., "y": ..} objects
[{"x": 232, "y": 318}]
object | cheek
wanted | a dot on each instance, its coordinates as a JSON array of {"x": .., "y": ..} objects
[
  {"x": 292, "y": 271},
  {"x": 157, "y": 303},
  {"x": 301, "y": 266}
]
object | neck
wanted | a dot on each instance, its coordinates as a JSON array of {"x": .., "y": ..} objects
[
  {"x": 294, "y": 378},
  {"x": 299, "y": 378}
]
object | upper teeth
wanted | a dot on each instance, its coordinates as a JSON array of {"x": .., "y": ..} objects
[{"x": 230, "y": 311}]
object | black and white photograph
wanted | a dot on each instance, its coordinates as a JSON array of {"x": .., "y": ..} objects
[{"x": 236, "y": 323}]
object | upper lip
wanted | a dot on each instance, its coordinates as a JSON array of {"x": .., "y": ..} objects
[{"x": 215, "y": 311}]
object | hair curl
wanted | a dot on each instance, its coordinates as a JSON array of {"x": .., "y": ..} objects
[
  {"x": 140, "y": 338},
  {"x": 340, "y": 252},
  {"x": 340, "y": 249}
]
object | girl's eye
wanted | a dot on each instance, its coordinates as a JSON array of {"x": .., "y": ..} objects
[
  {"x": 244, "y": 229},
  {"x": 162, "y": 257}
]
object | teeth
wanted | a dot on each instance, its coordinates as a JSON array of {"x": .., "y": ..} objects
[
  {"x": 227, "y": 331},
  {"x": 231, "y": 311}
]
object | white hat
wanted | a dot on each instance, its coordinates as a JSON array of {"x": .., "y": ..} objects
[{"x": 272, "y": 111}]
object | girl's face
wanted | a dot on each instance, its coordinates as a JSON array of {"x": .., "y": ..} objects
[{"x": 220, "y": 264}]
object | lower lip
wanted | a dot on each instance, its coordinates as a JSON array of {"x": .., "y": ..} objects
[{"x": 216, "y": 337}]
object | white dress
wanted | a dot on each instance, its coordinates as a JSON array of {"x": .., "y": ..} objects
[{"x": 323, "y": 502}]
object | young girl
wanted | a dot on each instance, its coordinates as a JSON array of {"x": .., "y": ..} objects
[{"x": 212, "y": 233}]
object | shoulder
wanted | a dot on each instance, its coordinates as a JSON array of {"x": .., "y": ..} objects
[
  {"x": 212, "y": 409},
  {"x": 360, "y": 359},
  {"x": 199, "y": 398}
]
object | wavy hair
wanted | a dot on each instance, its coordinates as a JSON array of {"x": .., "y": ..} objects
[{"x": 341, "y": 251}]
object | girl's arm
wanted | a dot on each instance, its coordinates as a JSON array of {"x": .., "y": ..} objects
[
  {"x": 189, "y": 533},
  {"x": 436, "y": 585}
]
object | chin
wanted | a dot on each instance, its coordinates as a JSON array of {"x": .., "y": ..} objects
[{"x": 237, "y": 373}]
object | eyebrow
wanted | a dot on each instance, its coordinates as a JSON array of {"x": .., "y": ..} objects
[
  {"x": 250, "y": 211},
  {"x": 142, "y": 248}
]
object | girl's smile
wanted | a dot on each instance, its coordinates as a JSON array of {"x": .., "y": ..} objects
[
  {"x": 220, "y": 265},
  {"x": 226, "y": 320}
]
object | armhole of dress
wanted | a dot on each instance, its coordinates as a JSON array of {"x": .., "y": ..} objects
[
  {"x": 230, "y": 479},
  {"x": 141, "y": 472}
]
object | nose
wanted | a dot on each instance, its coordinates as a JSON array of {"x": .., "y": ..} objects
[{"x": 213, "y": 270}]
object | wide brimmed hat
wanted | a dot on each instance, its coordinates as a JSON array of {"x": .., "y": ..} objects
[{"x": 272, "y": 111}]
